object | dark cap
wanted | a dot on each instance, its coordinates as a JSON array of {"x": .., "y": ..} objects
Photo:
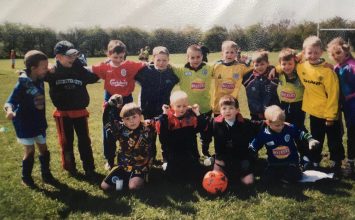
[{"x": 65, "y": 47}]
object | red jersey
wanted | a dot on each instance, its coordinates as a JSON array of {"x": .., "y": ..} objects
[{"x": 118, "y": 80}]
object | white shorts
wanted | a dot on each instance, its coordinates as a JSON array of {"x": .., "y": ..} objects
[{"x": 40, "y": 139}]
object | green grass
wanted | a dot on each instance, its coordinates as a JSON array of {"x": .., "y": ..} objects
[{"x": 77, "y": 198}]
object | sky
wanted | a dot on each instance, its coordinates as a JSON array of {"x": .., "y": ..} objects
[{"x": 62, "y": 15}]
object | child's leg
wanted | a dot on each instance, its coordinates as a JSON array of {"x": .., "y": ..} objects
[
  {"x": 206, "y": 136},
  {"x": 318, "y": 131},
  {"x": 109, "y": 183},
  {"x": 292, "y": 173},
  {"x": 271, "y": 175},
  {"x": 335, "y": 144},
  {"x": 136, "y": 182},
  {"x": 44, "y": 159},
  {"x": 65, "y": 133},
  {"x": 27, "y": 165},
  {"x": 109, "y": 142},
  {"x": 84, "y": 144}
]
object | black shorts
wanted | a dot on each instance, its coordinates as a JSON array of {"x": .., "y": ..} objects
[{"x": 119, "y": 173}]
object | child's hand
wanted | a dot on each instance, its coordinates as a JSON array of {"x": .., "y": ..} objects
[
  {"x": 116, "y": 100},
  {"x": 10, "y": 115},
  {"x": 313, "y": 144},
  {"x": 328, "y": 65},
  {"x": 248, "y": 179},
  {"x": 272, "y": 74},
  {"x": 51, "y": 68},
  {"x": 196, "y": 109},
  {"x": 166, "y": 109},
  {"x": 329, "y": 123}
]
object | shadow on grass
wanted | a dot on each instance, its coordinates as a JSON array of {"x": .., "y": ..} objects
[{"x": 77, "y": 200}]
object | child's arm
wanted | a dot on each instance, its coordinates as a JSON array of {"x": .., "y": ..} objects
[
  {"x": 8, "y": 110},
  {"x": 331, "y": 86},
  {"x": 304, "y": 136},
  {"x": 112, "y": 125},
  {"x": 13, "y": 101},
  {"x": 256, "y": 144}
]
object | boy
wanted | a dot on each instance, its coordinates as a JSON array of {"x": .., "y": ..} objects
[
  {"x": 279, "y": 137},
  {"x": 136, "y": 139},
  {"x": 157, "y": 81},
  {"x": 321, "y": 102},
  {"x": 227, "y": 75},
  {"x": 118, "y": 74},
  {"x": 195, "y": 80},
  {"x": 67, "y": 89},
  {"x": 177, "y": 128},
  {"x": 232, "y": 135},
  {"x": 26, "y": 108},
  {"x": 261, "y": 91}
]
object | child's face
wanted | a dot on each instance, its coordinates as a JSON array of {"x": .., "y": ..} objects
[
  {"x": 229, "y": 112},
  {"x": 261, "y": 66},
  {"x": 117, "y": 59},
  {"x": 132, "y": 122},
  {"x": 276, "y": 126},
  {"x": 229, "y": 54},
  {"x": 41, "y": 70},
  {"x": 66, "y": 61},
  {"x": 288, "y": 66},
  {"x": 312, "y": 54},
  {"x": 194, "y": 58},
  {"x": 338, "y": 54},
  {"x": 180, "y": 107},
  {"x": 161, "y": 61}
]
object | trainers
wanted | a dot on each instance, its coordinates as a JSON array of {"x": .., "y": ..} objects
[
  {"x": 335, "y": 167},
  {"x": 28, "y": 181},
  {"x": 349, "y": 169}
]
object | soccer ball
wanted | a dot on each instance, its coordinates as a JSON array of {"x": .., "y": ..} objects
[{"x": 215, "y": 182}]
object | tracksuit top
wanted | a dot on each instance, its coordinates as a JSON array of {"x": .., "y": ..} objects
[
  {"x": 29, "y": 120},
  {"x": 156, "y": 89},
  {"x": 321, "y": 90},
  {"x": 197, "y": 84},
  {"x": 226, "y": 80},
  {"x": 346, "y": 74},
  {"x": 67, "y": 86}
]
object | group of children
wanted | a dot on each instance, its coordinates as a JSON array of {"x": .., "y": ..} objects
[{"x": 278, "y": 98}]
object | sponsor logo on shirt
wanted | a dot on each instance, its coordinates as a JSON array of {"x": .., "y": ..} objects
[
  {"x": 281, "y": 152},
  {"x": 311, "y": 82},
  {"x": 118, "y": 83},
  {"x": 198, "y": 85},
  {"x": 228, "y": 85},
  {"x": 68, "y": 81},
  {"x": 288, "y": 95}
]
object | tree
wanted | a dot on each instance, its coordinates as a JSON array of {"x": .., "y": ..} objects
[{"x": 214, "y": 37}]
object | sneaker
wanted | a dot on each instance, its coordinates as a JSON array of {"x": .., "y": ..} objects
[
  {"x": 48, "y": 178},
  {"x": 73, "y": 172},
  {"x": 335, "y": 167},
  {"x": 349, "y": 169},
  {"x": 28, "y": 181}
]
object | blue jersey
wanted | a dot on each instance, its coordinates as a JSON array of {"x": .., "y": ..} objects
[
  {"x": 281, "y": 148},
  {"x": 28, "y": 102}
]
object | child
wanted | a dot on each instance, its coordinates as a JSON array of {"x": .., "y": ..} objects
[
  {"x": 321, "y": 102},
  {"x": 227, "y": 75},
  {"x": 119, "y": 79},
  {"x": 232, "y": 135},
  {"x": 136, "y": 139},
  {"x": 339, "y": 51},
  {"x": 26, "y": 108},
  {"x": 195, "y": 80},
  {"x": 177, "y": 128},
  {"x": 157, "y": 82},
  {"x": 13, "y": 58},
  {"x": 67, "y": 89},
  {"x": 261, "y": 91},
  {"x": 279, "y": 137}
]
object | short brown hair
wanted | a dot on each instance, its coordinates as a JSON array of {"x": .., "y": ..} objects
[
  {"x": 260, "y": 55},
  {"x": 287, "y": 54},
  {"x": 312, "y": 41},
  {"x": 116, "y": 46},
  {"x": 194, "y": 47},
  {"x": 33, "y": 57},
  {"x": 228, "y": 100},
  {"x": 130, "y": 109}
]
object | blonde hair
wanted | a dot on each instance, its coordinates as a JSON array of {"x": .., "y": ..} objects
[
  {"x": 178, "y": 95},
  {"x": 260, "y": 55},
  {"x": 274, "y": 113},
  {"x": 116, "y": 46},
  {"x": 229, "y": 44},
  {"x": 339, "y": 42},
  {"x": 287, "y": 54},
  {"x": 312, "y": 41},
  {"x": 160, "y": 50},
  {"x": 130, "y": 109}
]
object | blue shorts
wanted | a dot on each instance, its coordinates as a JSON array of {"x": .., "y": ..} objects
[
  {"x": 118, "y": 173},
  {"x": 40, "y": 139}
]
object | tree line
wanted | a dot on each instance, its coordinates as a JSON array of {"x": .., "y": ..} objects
[{"x": 93, "y": 41}]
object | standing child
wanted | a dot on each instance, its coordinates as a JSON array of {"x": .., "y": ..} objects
[
  {"x": 67, "y": 89},
  {"x": 195, "y": 80},
  {"x": 157, "y": 82},
  {"x": 232, "y": 135},
  {"x": 136, "y": 139},
  {"x": 340, "y": 52},
  {"x": 261, "y": 91},
  {"x": 321, "y": 102},
  {"x": 177, "y": 128},
  {"x": 282, "y": 155},
  {"x": 26, "y": 108},
  {"x": 118, "y": 74},
  {"x": 13, "y": 58}
]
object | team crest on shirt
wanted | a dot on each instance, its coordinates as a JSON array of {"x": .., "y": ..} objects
[
  {"x": 188, "y": 73},
  {"x": 204, "y": 72},
  {"x": 123, "y": 72},
  {"x": 235, "y": 76},
  {"x": 287, "y": 138},
  {"x": 281, "y": 152},
  {"x": 114, "y": 179}
]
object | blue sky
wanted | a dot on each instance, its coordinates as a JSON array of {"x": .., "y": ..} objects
[{"x": 151, "y": 14}]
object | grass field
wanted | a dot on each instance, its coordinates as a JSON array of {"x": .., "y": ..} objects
[{"x": 77, "y": 198}]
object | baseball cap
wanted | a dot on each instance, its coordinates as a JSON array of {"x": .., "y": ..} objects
[{"x": 65, "y": 47}]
